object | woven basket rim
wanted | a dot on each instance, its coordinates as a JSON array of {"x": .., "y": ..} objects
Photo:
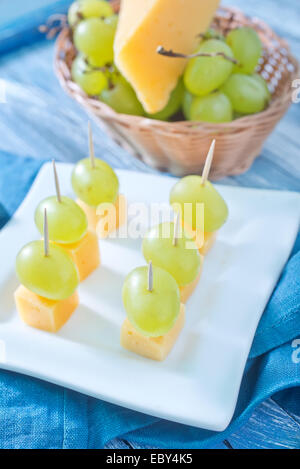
[{"x": 183, "y": 126}]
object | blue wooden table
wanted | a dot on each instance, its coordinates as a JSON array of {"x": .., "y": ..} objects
[{"x": 38, "y": 119}]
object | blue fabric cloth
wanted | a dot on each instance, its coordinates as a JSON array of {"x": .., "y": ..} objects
[
  {"x": 36, "y": 414},
  {"x": 19, "y": 21}
]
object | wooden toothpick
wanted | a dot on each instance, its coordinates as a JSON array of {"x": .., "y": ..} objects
[
  {"x": 150, "y": 277},
  {"x": 208, "y": 162},
  {"x": 91, "y": 145},
  {"x": 46, "y": 234},
  {"x": 56, "y": 182},
  {"x": 176, "y": 229}
]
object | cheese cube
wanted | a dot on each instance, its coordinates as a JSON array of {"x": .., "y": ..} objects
[
  {"x": 111, "y": 217},
  {"x": 209, "y": 240},
  {"x": 204, "y": 241},
  {"x": 85, "y": 254},
  {"x": 44, "y": 314},
  {"x": 146, "y": 24},
  {"x": 115, "y": 217},
  {"x": 156, "y": 348},
  {"x": 187, "y": 290}
]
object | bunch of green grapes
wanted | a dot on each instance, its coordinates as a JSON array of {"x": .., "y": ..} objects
[
  {"x": 220, "y": 80},
  {"x": 219, "y": 83},
  {"x": 94, "y": 25}
]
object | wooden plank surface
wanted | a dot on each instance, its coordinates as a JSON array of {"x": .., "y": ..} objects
[{"x": 38, "y": 119}]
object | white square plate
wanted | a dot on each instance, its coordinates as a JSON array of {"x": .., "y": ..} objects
[{"x": 198, "y": 383}]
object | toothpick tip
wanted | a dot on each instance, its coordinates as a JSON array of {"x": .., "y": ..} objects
[
  {"x": 208, "y": 162},
  {"x": 150, "y": 277},
  {"x": 46, "y": 233},
  {"x": 176, "y": 228},
  {"x": 57, "y": 188}
]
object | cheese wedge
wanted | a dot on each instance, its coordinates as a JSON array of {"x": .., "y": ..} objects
[
  {"x": 156, "y": 348},
  {"x": 85, "y": 254},
  {"x": 116, "y": 217},
  {"x": 188, "y": 290},
  {"x": 146, "y": 24},
  {"x": 44, "y": 314}
]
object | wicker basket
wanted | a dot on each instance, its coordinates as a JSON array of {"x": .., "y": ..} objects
[{"x": 181, "y": 147}]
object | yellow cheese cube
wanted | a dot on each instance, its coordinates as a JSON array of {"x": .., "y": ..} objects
[
  {"x": 209, "y": 240},
  {"x": 187, "y": 290},
  {"x": 156, "y": 348},
  {"x": 146, "y": 24},
  {"x": 111, "y": 217},
  {"x": 85, "y": 254},
  {"x": 116, "y": 217},
  {"x": 41, "y": 313},
  {"x": 204, "y": 241}
]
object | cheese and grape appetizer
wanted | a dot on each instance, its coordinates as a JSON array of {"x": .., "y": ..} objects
[
  {"x": 47, "y": 295},
  {"x": 176, "y": 253},
  {"x": 97, "y": 187},
  {"x": 155, "y": 315},
  {"x": 68, "y": 227},
  {"x": 198, "y": 190}
]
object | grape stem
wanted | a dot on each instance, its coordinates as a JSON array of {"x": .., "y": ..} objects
[
  {"x": 93, "y": 68},
  {"x": 170, "y": 53},
  {"x": 58, "y": 194},
  {"x": 150, "y": 277},
  {"x": 206, "y": 36},
  {"x": 46, "y": 234}
]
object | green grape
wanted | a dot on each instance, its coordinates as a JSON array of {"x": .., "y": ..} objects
[
  {"x": 205, "y": 74},
  {"x": 94, "y": 37},
  {"x": 121, "y": 97},
  {"x": 154, "y": 313},
  {"x": 247, "y": 94},
  {"x": 112, "y": 21},
  {"x": 95, "y": 185},
  {"x": 213, "y": 34},
  {"x": 189, "y": 190},
  {"x": 73, "y": 14},
  {"x": 95, "y": 8},
  {"x": 54, "y": 276},
  {"x": 246, "y": 47},
  {"x": 186, "y": 104},
  {"x": 84, "y": 9},
  {"x": 90, "y": 80},
  {"x": 67, "y": 222},
  {"x": 215, "y": 107},
  {"x": 181, "y": 261},
  {"x": 263, "y": 82},
  {"x": 173, "y": 105}
]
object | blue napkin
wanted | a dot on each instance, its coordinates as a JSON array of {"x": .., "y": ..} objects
[{"x": 36, "y": 414}]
